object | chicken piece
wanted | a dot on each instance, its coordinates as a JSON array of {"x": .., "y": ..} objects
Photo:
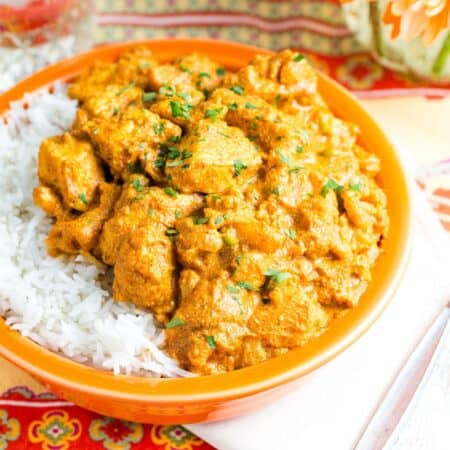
[
  {"x": 134, "y": 137},
  {"x": 289, "y": 314},
  {"x": 216, "y": 158},
  {"x": 76, "y": 234},
  {"x": 274, "y": 77},
  {"x": 140, "y": 206},
  {"x": 189, "y": 72},
  {"x": 206, "y": 331},
  {"x": 47, "y": 199},
  {"x": 69, "y": 166},
  {"x": 132, "y": 68},
  {"x": 108, "y": 103},
  {"x": 144, "y": 270}
]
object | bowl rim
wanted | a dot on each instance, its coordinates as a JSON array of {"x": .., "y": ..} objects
[{"x": 61, "y": 371}]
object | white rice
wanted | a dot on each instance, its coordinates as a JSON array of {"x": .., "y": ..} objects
[{"x": 59, "y": 302}]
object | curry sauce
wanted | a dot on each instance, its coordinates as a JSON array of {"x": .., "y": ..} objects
[{"x": 234, "y": 206}]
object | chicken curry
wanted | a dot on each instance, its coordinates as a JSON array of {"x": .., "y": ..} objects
[{"x": 234, "y": 206}]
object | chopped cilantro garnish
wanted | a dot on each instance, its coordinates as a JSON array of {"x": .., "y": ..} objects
[
  {"x": 185, "y": 69},
  {"x": 125, "y": 88},
  {"x": 216, "y": 197},
  {"x": 185, "y": 96},
  {"x": 220, "y": 219},
  {"x": 170, "y": 191},
  {"x": 295, "y": 169},
  {"x": 150, "y": 213},
  {"x": 299, "y": 57},
  {"x": 233, "y": 106},
  {"x": 181, "y": 110},
  {"x": 159, "y": 128},
  {"x": 172, "y": 152},
  {"x": 220, "y": 71},
  {"x": 276, "y": 190},
  {"x": 238, "y": 167},
  {"x": 253, "y": 125},
  {"x": 232, "y": 289},
  {"x": 137, "y": 185},
  {"x": 291, "y": 234},
  {"x": 237, "y": 259},
  {"x": 355, "y": 186},
  {"x": 186, "y": 155},
  {"x": 168, "y": 91},
  {"x": 277, "y": 98},
  {"x": 204, "y": 75},
  {"x": 248, "y": 286},
  {"x": 175, "y": 139},
  {"x": 115, "y": 111},
  {"x": 211, "y": 341},
  {"x": 250, "y": 106},
  {"x": 283, "y": 158},
  {"x": 276, "y": 276},
  {"x": 199, "y": 220},
  {"x": 159, "y": 163},
  {"x": 83, "y": 198},
  {"x": 212, "y": 114},
  {"x": 237, "y": 89},
  {"x": 131, "y": 167},
  {"x": 299, "y": 149},
  {"x": 175, "y": 322},
  {"x": 330, "y": 185},
  {"x": 148, "y": 96}
]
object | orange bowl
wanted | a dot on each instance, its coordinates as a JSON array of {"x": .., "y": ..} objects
[{"x": 216, "y": 397}]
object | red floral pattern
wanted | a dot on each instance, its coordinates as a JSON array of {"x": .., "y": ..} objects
[{"x": 43, "y": 422}]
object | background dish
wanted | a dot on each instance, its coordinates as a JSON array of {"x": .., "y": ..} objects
[{"x": 220, "y": 396}]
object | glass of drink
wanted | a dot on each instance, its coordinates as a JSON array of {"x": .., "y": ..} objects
[{"x": 35, "y": 33}]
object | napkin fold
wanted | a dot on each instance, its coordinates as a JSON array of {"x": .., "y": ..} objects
[{"x": 332, "y": 405}]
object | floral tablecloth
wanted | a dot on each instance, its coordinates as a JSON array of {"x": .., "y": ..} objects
[{"x": 30, "y": 418}]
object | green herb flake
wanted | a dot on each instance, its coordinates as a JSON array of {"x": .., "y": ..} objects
[
  {"x": 212, "y": 114},
  {"x": 238, "y": 259},
  {"x": 211, "y": 341},
  {"x": 159, "y": 163},
  {"x": 277, "y": 276},
  {"x": 249, "y": 105},
  {"x": 283, "y": 158},
  {"x": 186, "y": 155},
  {"x": 83, "y": 198},
  {"x": 220, "y": 71},
  {"x": 131, "y": 167},
  {"x": 137, "y": 185},
  {"x": 145, "y": 65},
  {"x": 185, "y": 69},
  {"x": 216, "y": 197},
  {"x": 355, "y": 187},
  {"x": 238, "y": 167},
  {"x": 177, "y": 214},
  {"x": 150, "y": 213},
  {"x": 175, "y": 139},
  {"x": 175, "y": 322},
  {"x": 296, "y": 169},
  {"x": 200, "y": 220},
  {"x": 168, "y": 91},
  {"x": 276, "y": 191},
  {"x": 233, "y": 106},
  {"x": 232, "y": 289},
  {"x": 248, "y": 286},
  {"x": 253, "y": 125},
  {"x": 220, "y": 219},
  {"x": 204, "y": 75},
  {"x": 299, "y": 149},
  {"x": 125, "y": 88},
  {"x": 172, "y": 152},
  {"x": 237, "y": 89},
  {"x": 170, "y": 191},
  {"x": 148, "y": 96},
  {"x": 299, "y": 58},
  {"x": 115, "y": 111},
  {"x": 159, "y": 128},
  {"x": 181, "y": 110},
  {"x": 291, "y": 234},
  {"x": 330, "y": 185}
]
